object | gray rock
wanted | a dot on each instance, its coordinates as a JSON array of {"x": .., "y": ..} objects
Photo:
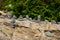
[
  {"x": 3, "y": 16},
  {"x": 33, "y": 20},
  {"x": 13, "y": 21},
  {"x": 9, "y": 15},
  {"x": 53, "y": 22},
  {"x": 46, "y": 21},
  {"x": 20, "y": 18},
  {"x": 30, "y": 19},
  {"x": 58, "y": 22},
  {"x": 27, "y": 16},
  {"x": 39, "y": 17},
  {"x": 48, "y": 34}
]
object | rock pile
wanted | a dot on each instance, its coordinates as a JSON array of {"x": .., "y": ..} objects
[{"x": 26, "y": 29}]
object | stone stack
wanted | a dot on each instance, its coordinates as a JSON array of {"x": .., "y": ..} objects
[{"x": 28, "y": 29}]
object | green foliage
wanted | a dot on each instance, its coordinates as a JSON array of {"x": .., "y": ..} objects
[{"x": 48, "y": 9}]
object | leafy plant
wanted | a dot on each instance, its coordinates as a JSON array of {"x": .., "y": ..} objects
[{"x": 48, "y": 9}]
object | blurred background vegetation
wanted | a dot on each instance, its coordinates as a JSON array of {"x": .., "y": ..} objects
[{"x": 48, "y": 9}]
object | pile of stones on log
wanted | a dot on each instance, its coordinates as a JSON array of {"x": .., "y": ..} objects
[
  {"x": 28, "y": 29},
  {"x": 28, "y": 22}
]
